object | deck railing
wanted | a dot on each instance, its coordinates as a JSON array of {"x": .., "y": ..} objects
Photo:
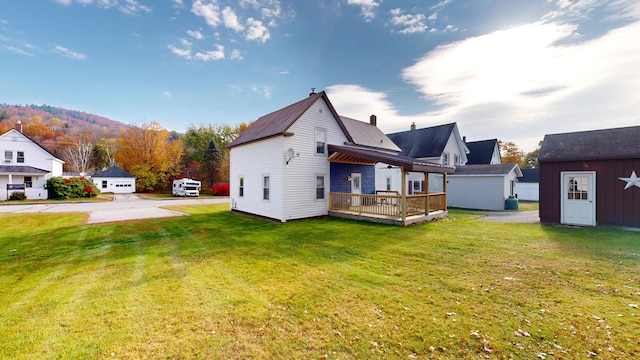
[{"x": 387, "y": 203}]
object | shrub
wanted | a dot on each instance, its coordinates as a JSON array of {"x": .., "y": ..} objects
[
  {"x": 220, "y": 189},
  {"x": 73, "y": 188},
  {"x": 18, "y": 195}
]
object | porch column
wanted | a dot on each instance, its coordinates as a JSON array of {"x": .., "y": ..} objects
[
  {"x": 426, "y": 191},
  {"x": 444, "y": 188},
  {"x": 403, "y": 210}
]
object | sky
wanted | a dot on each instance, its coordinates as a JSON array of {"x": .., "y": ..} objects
[{"x": 512, "y": 70}]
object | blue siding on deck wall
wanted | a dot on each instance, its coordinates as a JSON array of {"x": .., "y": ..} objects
[{"x": 340, "y": 172}]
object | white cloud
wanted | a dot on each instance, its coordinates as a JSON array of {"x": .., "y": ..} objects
[
  {"x": 185, "y": 42},
  {"x": 195, "y": 34},
  {"x": 517, "y": 84},
  {"x": 185, "y": 53},
  {"x": 62, "y": 2},
  {"x": 133, "y": 7},
  {"x": 231, "y": 19},
  {"x": 441, "y": 4},
  {"x": 167, "y": 95},
  {"x": 178, "y": 3},
  {"x": 69, "y": 53},
  {"x": 129, "y": 7},
  {"x": 236, "y": 55},
  {"x": 262, "y": 90},
  {"x": 257, "y": 31},
  {"x": 409, "y": 23},
  {"x": 367, "y": 8},
  {"x": 209, "y": 10},
  {"x": 19, "y": 51},
  {"x": 211, "y": 55},
  {"x": 284, "y": 72}
]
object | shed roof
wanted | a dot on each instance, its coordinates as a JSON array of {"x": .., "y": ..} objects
[
  {"x": 359, "y": 155},
  {"x": 113, "y": 172},
  {"x": 423, "y": 143},
  {"x": 488, "y": 169},
  {"x": 278, "y": 122},
  {"x": 530, "y": 176},
  {"x": 617, "y": 143},
  {"x": 481, "y": 151},
  {"x": 368, "y": 135}
]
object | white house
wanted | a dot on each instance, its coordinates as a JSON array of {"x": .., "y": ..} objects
[
  {"x": 115, "y": 180},
  {"x": 26, "y": 166},
  {"x": 483, "y": 152},
  {"x": 438, "y": 144},
  {"x": 482, "y": 186},
  {"x": 300, "y": 161}
]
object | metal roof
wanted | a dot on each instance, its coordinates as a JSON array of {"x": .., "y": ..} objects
[
  {"x": 24, "y": 170},
  {"x": 488, "y": 169},
  {"x": 368, "y": 135},
  {"x": 617, "y": 143},
  {"x": 366, "y": 156},
  {"x": 278, "y": 122}
]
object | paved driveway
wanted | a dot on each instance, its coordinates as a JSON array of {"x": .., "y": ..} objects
[{"x": 123, "y": 207}]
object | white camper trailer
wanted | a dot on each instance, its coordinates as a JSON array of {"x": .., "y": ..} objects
[{"x": 186, "y": 187}]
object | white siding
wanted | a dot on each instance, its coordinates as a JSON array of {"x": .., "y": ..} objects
[
  {"x": 528, "y": 191},
  {"x": 252, "y": 161},
  {"x": 116, "y": 185},
  {"x": 301, "y": 172},
  {"x": 476, "y": 192},
  {"x": 34, "y": 156}
]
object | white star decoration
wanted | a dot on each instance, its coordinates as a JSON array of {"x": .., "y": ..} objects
[{"x": 633, "y": 180}]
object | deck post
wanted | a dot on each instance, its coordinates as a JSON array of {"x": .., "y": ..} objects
[
  {"x": 426, "y": 191},
  {"x": 403, "y": 210}
]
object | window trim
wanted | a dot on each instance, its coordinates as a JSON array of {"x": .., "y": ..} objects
[
  {"x": 266, "y": 187},
  {"x": 324, "y": 187},
  {"x": 324, "y": 141}
]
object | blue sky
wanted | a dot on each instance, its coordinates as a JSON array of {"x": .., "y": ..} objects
[{"x": 513, "y": 70}]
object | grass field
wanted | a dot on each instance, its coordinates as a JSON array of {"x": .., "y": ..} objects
[{"x": 221, "y": 286}]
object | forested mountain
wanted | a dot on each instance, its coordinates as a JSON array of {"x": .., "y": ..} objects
[{"x": 71, "y": 123}]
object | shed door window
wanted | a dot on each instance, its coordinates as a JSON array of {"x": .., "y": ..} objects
[{"x": 578, "y": 188}]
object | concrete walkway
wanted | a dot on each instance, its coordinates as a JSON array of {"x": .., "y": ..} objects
[
  {"x": 124, "y": 207},
  {"x": 525, "y": 217}
]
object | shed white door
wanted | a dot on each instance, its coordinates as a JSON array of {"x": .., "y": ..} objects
[
  {"x": 356, "y": 188},
  {"x": 578, "y": 204}
]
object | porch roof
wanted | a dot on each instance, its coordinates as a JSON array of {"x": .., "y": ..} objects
[
  {"x": 367, "y": 156},
  {"x": 23, "y": 170}
]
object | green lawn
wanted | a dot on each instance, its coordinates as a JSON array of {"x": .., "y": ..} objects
[{"x": 221, "y": 286}]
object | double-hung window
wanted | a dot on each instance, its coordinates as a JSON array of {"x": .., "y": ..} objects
[
  {"x": 8, "y": 156},
  {"x": 319, "y": 187},
  {"x": 265, "y": 187},
  {"x": 445, "y": 159},
  {"x": 28, "y": 181},
  {"x": 321, "y": 141},
  {"x": 241, "y": 188},
  {"x": 20, "y": 157}
]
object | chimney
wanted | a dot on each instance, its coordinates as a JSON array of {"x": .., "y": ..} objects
[
  {"x": 464, "y": 139},
  {"x": 19, "y": 123},
  {"x": 313, "y": 92},
  {"x": 413, "y": 126},
  {"x": 373, "y": 120}
]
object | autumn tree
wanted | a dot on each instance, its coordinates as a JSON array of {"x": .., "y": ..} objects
[
  {"x": 531, "y": 159},
  {"x": 206, "y": 155},
  {"x": 147, "y": 153},
  {"x": 104, "y": 153},
  {"x": 511, "y": 153},
  {"x": 78, "y": 156}
]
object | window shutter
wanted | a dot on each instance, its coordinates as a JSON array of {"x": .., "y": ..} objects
[{"x": 422, "y": 187}]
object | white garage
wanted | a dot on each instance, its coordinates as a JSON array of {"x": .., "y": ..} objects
[
  {"x": 483, "y": 187},
  {"x": 115, "y": 180}
]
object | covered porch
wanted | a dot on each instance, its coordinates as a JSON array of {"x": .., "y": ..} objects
[{"x": 383, "y": 206}]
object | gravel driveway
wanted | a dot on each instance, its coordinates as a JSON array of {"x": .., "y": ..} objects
[
  {"x": 525, "y": 217},
  {"x": 123, "y": 207}
]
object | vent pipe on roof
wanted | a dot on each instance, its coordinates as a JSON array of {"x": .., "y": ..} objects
[
  {"x": 373, "y": 120},
  {"x": 464, "y": 139},
  {"x": 313, "y": 92},
  {"x": 413, "y": 126}
]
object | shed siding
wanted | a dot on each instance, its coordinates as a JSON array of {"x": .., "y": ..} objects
[
  {"x": 615, "y": 206},
  {"x": 301, "y": 172},
  {"x": 252, "y": 161},
  {"x": 476, "y": 192}
]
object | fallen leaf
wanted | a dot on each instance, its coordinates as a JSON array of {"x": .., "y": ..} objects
[
  {"x": 635, "y": 306},
  {"x": 541, "y": 355},
  {"x": 521, "y": 332}
]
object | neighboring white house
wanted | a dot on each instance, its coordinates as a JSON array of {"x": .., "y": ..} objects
[
  {"x": 286, "y": 163},
  {"x": 438, "y": 144},
  {"x": 482, "y": 186},
  {"x": 26, "y": 166},
  {"x": 115, "y": 180},
  {"x": 528, "y": 186}
]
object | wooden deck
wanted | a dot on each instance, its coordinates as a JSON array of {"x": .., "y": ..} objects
[{"x": 388, "y": 207}]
